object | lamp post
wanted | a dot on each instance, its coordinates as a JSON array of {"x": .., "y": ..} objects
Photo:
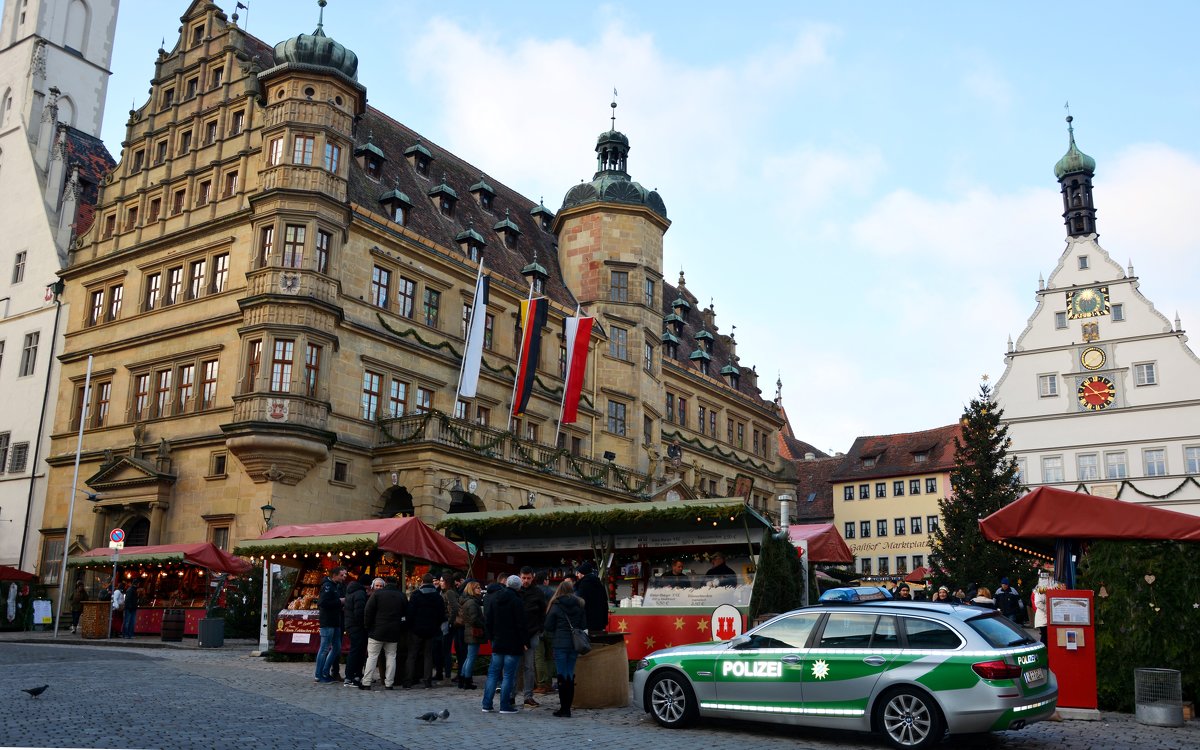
[{"x": 268, "y": 512}]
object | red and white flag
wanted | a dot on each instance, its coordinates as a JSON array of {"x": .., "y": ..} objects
[{"x": 579, "y": 335}]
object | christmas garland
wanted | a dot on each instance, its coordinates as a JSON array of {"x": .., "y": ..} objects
[
  {"x": 488, "y": 449},
  {"x": 525, "y": 524},
  {"x": 730, "y": 456},
  {"x": 250, "y": 548}
]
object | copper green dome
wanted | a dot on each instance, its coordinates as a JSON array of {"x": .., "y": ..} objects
[
  {"x": 319, "y": 51},
  {"x": 1074, "y": 160},
  {"x": 611, "y": 183}
]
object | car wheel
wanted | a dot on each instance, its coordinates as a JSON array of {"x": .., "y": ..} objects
[
  {"x": 909, "y": 719},
  {"x": 672, "y": 702}
]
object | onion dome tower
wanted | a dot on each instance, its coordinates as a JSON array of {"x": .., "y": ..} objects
[{"x": 1074, "y": 172}]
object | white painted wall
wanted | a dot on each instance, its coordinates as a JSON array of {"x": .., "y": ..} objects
[{"x": 1163, "y": 416}]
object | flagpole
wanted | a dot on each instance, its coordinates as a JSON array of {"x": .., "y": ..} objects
[
  {"x": 462, "y": 366},
  {"x": 562, "y": 403},
  {"x": 520, "y": 357}
]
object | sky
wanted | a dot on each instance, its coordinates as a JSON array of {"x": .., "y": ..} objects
[{"x": 865, "y": 190}]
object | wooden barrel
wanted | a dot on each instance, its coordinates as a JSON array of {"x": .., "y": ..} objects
[{"x": 172, "y": 625}]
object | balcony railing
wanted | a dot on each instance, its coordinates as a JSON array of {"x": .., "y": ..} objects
[{"x": 505, "y": 447}]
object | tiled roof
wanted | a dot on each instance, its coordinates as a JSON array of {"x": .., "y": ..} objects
[
  {"x": 795, "y": 449},
  {"x": 693, "y": 323},
  {"x": 427, "y": 220},
  {"x": 814, "y": 478},
  {"x": 94, "y": 162},
  {"x": 895, "y": 455}
]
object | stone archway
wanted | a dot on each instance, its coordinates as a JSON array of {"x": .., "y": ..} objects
[
  {"x": 397, "y": 501},
  {"x": 137, "y": 531}
]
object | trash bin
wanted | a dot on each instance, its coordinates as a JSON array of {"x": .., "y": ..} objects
[
  {"x": 172, "y": 625},
  {"x": 1158, "y": 697},
  {"x": 210, "y": 632}
]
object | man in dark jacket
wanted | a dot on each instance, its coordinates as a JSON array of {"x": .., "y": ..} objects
[
  {"x": 1008, "y": 601},
  {"x": 534, "y": 603},
  {"x": 595, "y": 601},
  {"x": 131, "y": 607},
  {"x": 426, "y": 613},
  {"x": 504, "y": 616},
  {"x": 383, "y": 618},
  {"x": 356, "y": 612},
  {"x": 329, "y": 604}
]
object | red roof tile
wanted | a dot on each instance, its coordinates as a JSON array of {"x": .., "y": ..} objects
[{"x": 877, "y": 456}]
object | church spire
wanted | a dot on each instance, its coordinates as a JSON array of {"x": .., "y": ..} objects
[{"x": 1074, "y": 172}]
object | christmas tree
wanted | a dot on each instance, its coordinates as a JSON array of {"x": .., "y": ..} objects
[
  {"x": 779, "y": 581},
  {"x": 983, "y": 481}
]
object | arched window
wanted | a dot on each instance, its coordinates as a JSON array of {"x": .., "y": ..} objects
[
  {"x": 6, "y": 106},
  {"x": 397, "y": 502},
  {"x": 66, "y": 111},
  {"x": 137, "y": 532},
  {"x": 78, "y": 20}
]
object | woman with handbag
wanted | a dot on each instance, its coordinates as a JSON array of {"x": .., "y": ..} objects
[
  {"x": 471, "y": 612},
  {"x": 564, "y": 618}
]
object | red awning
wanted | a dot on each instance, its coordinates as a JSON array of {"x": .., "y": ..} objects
[
  {"x": 12, "y": 574},
  {"x": 824, "y": 542},
  {"x": 201, "y": 554},
  {"x": 919, "y": 574},
  {"x": 404, "y": 536},
  {"x": 1048, "y": 514}
]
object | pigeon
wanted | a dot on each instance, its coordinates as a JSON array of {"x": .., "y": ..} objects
[
  {"x": 35, "y": 692},
  {"x": 433, "y": 716}
]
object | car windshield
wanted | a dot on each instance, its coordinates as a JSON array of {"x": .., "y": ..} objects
[{"x": 999, "y": 631}]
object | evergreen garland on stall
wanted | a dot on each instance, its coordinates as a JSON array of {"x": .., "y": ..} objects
[
  {"x": 779, "y": 580},
  {"x": 983, "y": 481},
  {"x": 1147, "y": 614}
]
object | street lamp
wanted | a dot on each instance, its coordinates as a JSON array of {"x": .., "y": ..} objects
[{"x": 268, "y": 512}]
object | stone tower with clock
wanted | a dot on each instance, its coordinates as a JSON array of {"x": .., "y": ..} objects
[{"x": 1098, "y": 390}]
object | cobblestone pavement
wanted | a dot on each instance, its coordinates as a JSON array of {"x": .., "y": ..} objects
[{"x": 126, "y": 696}]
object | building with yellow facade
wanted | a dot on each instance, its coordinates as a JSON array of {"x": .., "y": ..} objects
[
  {"x": 274, "y": 297},
  {"x": 885, "y": 498}
]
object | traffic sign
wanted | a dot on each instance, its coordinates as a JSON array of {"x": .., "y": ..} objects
[{"x": 116, "y": 535}]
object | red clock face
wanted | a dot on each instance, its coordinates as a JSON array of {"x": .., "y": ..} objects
[{"x": 1096, "y": 393}]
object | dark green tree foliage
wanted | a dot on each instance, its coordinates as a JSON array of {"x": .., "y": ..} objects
[
  {"x": 779, "y": 581},
  {"x": 1147, "y": 614},
  {"x": 243, "y": 602},
  {"x": 983, "y": 481}
]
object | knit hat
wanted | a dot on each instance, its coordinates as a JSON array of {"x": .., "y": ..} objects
[
  {"x": 514, "y": 582},
  {"x": 586, "y": 568},
  {"x": 1003, "y": 581}
]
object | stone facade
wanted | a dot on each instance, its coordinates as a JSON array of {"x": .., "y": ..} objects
[{"x": 295, "y": 269}]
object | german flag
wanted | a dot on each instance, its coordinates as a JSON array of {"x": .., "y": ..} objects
[{"x": 531, "y": 348}]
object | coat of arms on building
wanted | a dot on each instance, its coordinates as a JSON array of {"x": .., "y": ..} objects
[
  {"x": 277, "y": 410},
  {"x": 1091, "y": 332}
]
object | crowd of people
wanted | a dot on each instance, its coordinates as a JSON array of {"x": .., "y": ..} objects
[
  {"x": 442, "y": 623},
  {"x": 1005, "y": 599}
]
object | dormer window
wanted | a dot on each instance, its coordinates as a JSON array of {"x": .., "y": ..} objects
[
  {"x": 681, "y": 307},
  {"x": 731, "y": 374},
  {"x": 444, "y": 197},
  {"x": 397, "y": 206},
  {"x": 197, "y": 35},
  {"x": 868, "y": 462},
  {"x": 372, "y": 158},
  {"x": 537, "y": 274},
  {"x": 508, "y": 230},
  {"x": 484, "y": 193},
  {"x": 921, "y": 457},
  {"x": 471, "y": 242},
  {"x": 419, "y": 157},
  {"x": 542, "y": 216}
]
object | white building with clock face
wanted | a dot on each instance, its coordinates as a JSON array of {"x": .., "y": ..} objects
[{"x": 1099, "y": 391}]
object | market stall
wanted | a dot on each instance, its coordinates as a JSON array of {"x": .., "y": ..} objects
[
  {"x": 16, "y": 588},
  {"x": 404, "y": 548},
  {"x": 654, "y": 558},
  {"x": 172, "y": 578}
]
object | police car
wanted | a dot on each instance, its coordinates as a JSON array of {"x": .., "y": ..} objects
[{"x": 859, "y": 660}]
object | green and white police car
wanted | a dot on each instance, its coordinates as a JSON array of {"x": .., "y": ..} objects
[{"x": 910, "y": 670}]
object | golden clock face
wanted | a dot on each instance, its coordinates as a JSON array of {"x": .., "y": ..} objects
[
  {"x": 1096, "y": 392},
  {"x": 1088, "y": 303},
  {"x": 1092, "y": 358}
]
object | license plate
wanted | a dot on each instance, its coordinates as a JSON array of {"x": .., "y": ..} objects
[{"x": 1035, "y": 676}]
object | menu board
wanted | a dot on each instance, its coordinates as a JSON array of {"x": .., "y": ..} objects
[{"x": 1070, "y": 610}]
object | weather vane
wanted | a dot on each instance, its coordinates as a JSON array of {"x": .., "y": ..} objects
[{"x": 614, "y": 109}]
